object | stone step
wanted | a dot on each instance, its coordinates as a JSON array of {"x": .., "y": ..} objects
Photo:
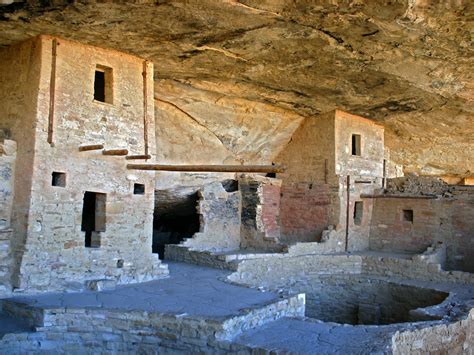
[
  {"x": 217, "y": 260},
  {"x": 181, "y": 253}
]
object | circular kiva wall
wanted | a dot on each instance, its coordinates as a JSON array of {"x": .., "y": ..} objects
[{"x": 361, "y": 300}]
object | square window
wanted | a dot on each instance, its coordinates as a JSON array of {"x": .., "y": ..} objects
[
  {"x": 358, "y": 212},
  {"x": 103, "y": 84},
  {"x": 59, "y": 179},
  {"x": 407, "y": 215},
  {"x": 356, "y": 150},
  {"x": 138, "y": 189}
]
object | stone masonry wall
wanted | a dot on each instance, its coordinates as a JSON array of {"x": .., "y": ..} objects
[
  {"x": 370, "y": 160},
  {"x": 140, "y": 331},
  {"x": 304, "y": 211},
  {"x": 54, "y": 252},
  {"x": 19, "y": 80},
  {"x": 444, "y": 219},
  {"x": 305, "y": 155},
  {"x": 260, "y": 213},
  {"x": 220, "y": 219},
  {"x": 314, "y": 189},
  {"x": 454, "y": 338},
  {"x": 7, "y": 173}
]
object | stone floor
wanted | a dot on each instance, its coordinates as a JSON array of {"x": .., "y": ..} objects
[
  {"x": 190, "y": 290},
  {"x": 193, "y": 290},
  {"x": 307, "y": 336}
]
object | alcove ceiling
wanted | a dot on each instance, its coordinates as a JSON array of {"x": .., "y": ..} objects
[{"x": 406, "y": 64}]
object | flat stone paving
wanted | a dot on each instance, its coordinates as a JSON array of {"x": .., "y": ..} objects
[
  {"x": 309, "y": 336},
  {"x": 190, "y": 289},
  {"x": 198, "y": 291}
]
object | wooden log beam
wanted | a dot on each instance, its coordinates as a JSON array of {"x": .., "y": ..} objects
[
  {"x": 210, "y": 168},
  {"x": 143, "y": 156},
  {"x": 115, "y": 152},
  {"x": 85, "y": 148}
]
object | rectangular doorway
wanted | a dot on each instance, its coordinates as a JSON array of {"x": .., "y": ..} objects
[{"x": 93, "y": 218}]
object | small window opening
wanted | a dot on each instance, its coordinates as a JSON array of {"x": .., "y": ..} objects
[
  {"x": 138, "y": 189},
  {"x": 119, "y": 263},
  {"x": 407, "y": 215},
  {"x": 356, "y": 144},
  {"x": 93, "y": 218},
  {"x": 103, "y": 84},
  {"x": 358, "y": 212},
  {"x": 59, "y": 179}
]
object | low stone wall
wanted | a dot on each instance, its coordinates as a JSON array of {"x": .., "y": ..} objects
[
  {"x": 415, "y": 268},
  {"x": 116, "y": 330},
  {"x": 184, "y": 254},
  {"x": 454, "y": 338},
  {"x": 282, "y": 269}
]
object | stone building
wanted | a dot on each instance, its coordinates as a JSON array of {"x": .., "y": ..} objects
[
  {"x": 332, "y": 160},
  {"x": 332, "y": 237},
  {"x": 72, "y": 216}
]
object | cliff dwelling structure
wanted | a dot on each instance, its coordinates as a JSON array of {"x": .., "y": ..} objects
[{"x": 236, "y": 177}]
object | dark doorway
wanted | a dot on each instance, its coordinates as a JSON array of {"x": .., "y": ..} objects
[
  {"x": 93, "y": 218},
  {"x": 175, "y": 219},
  {"x": 358, "y": 212}
]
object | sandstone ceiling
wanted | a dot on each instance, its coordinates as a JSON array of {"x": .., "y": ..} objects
[{"x": 407, "y": 64}]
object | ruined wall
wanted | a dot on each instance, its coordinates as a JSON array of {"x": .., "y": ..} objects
[
  {"x": 219, "y": 219},
  {"x": 434, "y": 219},
  {"x": 260, "y": 213},
  {"x": 55, "y": 241}
]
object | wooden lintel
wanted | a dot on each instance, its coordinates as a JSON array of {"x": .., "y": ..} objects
[
  {"x": 143, "y": 156},
  {"x": 115, "y": 152},
  {"x": 401, "y": 196},
  {"x": 210, "y": 168},
  {"x": 85, "y": 148}
]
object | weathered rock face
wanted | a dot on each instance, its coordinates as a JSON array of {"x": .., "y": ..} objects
[{"x": 221, "y": 65}]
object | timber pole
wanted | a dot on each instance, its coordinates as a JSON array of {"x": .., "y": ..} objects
[{"x": 210, "y": 168}]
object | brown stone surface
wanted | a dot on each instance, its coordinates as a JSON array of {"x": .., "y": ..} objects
[
  {"x": 447, "y": 220},
  {"x": 47, "y": 219},
  {"x": 405, "y": 64}
]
